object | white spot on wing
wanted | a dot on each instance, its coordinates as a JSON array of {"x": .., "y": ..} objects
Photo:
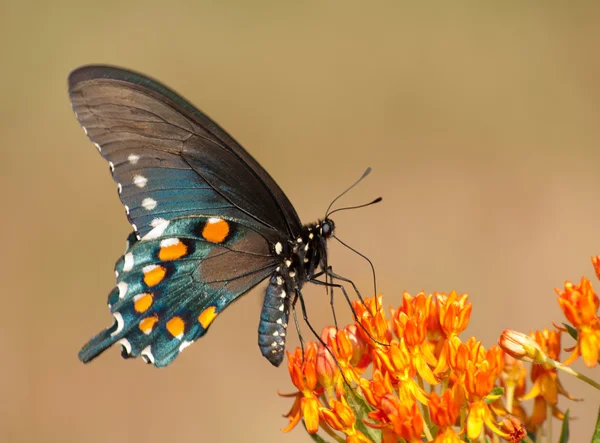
[
  {"x": 147, "y": 352},
  {"x": 140, "y": 181},
  {"x": 169, "y": 242},
  {"x": 128, "y": 265},
  {"x": 126, "y": 209},
  {"x": 137, "y": 297},
  {"x": 282, "y": 295},
  {"x": 149, "y": 203},
  {"x": 125, "y": 343},
  {"x": 122, "y": 286},
  {"x": 213, "y": 220},
  {"x": 119, "y": 187},
  {"x": 159, "y": 225},
  {"x": 120, "y": 323},
  {"x": 98, "y": 146},
  {"x": 112, "y": 166},
  {"x": 281, "y": 307},
  {"x": 278, "y": 248},
  {"x": 84, "y": 130},
  {"x": 149, "y": 268},
  {"x": 134, "y": 227},
  {"x": 184, "y": 344},
  {"x": 279, "y": 280},
  {"x": 133, "y": 159}
]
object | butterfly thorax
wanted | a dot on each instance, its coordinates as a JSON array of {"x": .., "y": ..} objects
[{"x": 306, "y": 254}]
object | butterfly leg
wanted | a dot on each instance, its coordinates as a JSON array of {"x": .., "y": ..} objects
[
  {"x": 320, "y": 340},
  {"x": 297, "y": 324},
  {"x": 356, "y": 319},
  {"x": 329, "y": 291}
]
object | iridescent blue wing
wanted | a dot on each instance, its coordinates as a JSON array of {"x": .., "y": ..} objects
[
  {"x": 170, "y": 160},
  {"x": 173, "y": 283}
]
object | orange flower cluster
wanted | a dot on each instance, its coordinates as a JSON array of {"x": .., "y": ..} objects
[
  {"x": 403, "y": 375},
  {"x": 580, "y": 304},
  {"x": 408, "y": 376}
]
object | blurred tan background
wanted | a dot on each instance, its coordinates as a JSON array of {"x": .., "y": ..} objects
[{"x": 480, "y": 123}]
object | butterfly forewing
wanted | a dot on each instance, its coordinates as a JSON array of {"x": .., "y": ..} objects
[{"x": 170, "y": 160}]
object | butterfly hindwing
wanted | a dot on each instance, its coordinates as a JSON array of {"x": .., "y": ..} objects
[
  {"x": 170, "y": 160},
  {"x": 172, "y": 283}
]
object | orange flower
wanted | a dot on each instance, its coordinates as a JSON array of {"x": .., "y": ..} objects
[
  {"x": 341, "y": 418},
  {"x": 455, "y": 312},
  {"x": 514, "y": 428},
  {"x": 444, "y": 410},
  {"x": 340, "y": 345},
  {"x": 397, "y": 360},
  {"x": 596, "y": 263},
  {"x": 378, "y": 387},
  {"x": 397, "y": 419},
  {"x": 304, "y": 376},
  {"x": 371, "y": 316},
  {"x": 480, "y": 378},
  {"x": 580, "y": 306},
  {"x": 410, "y": 325}
]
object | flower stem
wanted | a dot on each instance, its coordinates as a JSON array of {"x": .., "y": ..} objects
[
  {"x": 576, "y": 374},
  {"x": 510, "y": 396}
]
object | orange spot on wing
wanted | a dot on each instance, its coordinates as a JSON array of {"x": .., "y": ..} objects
[
  {"x": 172, "y": 252},
  {"x": 154, "y": 276},
  {"x": 176, "y": 327},
  {"x": 142, "y": 302},
  {"x": 148, "y": 323},
  {"x": 207, "y": 316},
  {"x": 215, "y": 230}
]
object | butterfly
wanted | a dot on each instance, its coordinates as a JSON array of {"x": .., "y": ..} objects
[{"x": 209, "y": 223}]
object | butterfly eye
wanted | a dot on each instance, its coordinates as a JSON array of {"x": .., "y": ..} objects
[{"x": 327, "y": 228}]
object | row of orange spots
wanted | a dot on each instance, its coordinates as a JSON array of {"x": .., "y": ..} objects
[
  {"x": 172, "y": 251},
  {"x": 153, "y": 275},
  {"x": 207, "y": 316},
  {"x": 148, "y": 323},
  {"x": 176, "y": 325},
  {"x": 215, "y": 230},
  {"x": 142, "y": 302}
]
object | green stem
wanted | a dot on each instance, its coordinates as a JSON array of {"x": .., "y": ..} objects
[{"x": 576, "y": 374}]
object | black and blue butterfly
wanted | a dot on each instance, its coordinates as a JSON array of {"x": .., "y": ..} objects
[{"x": 209, "y": 223}]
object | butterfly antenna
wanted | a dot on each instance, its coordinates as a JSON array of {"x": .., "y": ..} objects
[
  {"x": 377, "y": 200},
  {"x": 366, "y": 258},
  {"x": 367, "y": 172}
]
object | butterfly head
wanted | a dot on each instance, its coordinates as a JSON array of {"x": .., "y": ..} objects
[{"x": 327, "y": 228}]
